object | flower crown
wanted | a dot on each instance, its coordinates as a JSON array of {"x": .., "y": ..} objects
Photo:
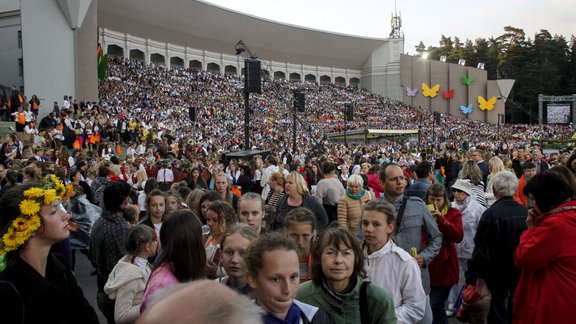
[
  {"x": 186, "y": 165},
  {"x": 162, "y": 163},
  {"x": 22, "y": 228}
]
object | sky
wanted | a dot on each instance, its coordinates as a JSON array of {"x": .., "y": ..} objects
[{"x": 424, "y": 21}]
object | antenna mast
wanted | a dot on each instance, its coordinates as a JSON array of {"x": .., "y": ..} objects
[{"x": 396, "y": 24}]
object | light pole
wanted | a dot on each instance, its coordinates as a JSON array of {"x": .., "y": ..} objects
[
  {"x": 299, "y": 105},
  {"x": 346, "y": 108},
  {"x": 420, "y": 129},
  {"x": 500, "y": 121},
  {"x": 296, "y": 104},
  {"x": 241, "y": 48}
]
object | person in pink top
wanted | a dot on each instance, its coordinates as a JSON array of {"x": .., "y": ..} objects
[{"x": 183, "y": 257}]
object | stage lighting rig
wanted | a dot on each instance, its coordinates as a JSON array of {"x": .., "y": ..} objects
[{"x": 240, "y": 48}]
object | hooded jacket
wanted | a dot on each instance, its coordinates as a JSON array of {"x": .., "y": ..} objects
[{"x": 126, "y": 285}]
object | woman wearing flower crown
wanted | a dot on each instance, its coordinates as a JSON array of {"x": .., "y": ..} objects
[{"x": 36, "y": 286}]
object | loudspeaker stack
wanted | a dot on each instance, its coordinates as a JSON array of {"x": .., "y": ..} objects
[
  {"x": 299, "y": 101},
  {"x": 349, "y": 112},
  {"x": 192, "y": 114},
  {"x": 252, "y": 76}
]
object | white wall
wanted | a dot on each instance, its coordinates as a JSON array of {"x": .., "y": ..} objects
[
  {"x": 381, "y": 72},
  {"x": 48, "y": 49},
  {"x": 9, "y": 5},
  {"x": 9, "y": 51},
  {"x": 86, "y": 49}
]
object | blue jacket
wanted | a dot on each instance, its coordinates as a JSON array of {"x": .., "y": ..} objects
[
  {"x": 416, "y": 221},
  {"x": 418, "y": 189}
]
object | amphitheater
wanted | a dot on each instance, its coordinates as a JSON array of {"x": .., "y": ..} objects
[
  {"x": 204, "y": 39},
  {"x": 202, "y": 36}
]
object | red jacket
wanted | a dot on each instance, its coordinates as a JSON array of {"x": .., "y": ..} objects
[
  {"x": 520, "y": 197},
  {"x": 546, "y": 254},
  {"x": 375, "y": 184},
  {"x": 444, "y": 270},
  {"x": 113, "y": 177}
]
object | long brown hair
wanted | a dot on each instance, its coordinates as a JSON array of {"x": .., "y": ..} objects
[
  {"x": 182, "y": 246},
  {"x": 226, "y": 214},
  {"x": 472, "y": 172}
]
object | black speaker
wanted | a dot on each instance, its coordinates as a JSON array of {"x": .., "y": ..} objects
[
  {"x": 349, "y": 112},
  {"x": 192, "y": 114},
  {"x": 252, "y": 76},
  {"x": 299, "y": 101}
]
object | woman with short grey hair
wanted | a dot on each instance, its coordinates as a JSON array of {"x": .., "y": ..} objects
[
  {"x": 496, "y": 239},
  {"x": 350, "y": 206},
  {"x": 504, "y": 184}
]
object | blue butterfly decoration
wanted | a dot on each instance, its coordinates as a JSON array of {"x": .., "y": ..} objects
[
  {"x": 466, "y": 109},
  {"x": 411, "y": 92}
]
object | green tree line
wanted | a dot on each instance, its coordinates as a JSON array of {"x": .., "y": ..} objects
[{"x": 545, "y": 65}]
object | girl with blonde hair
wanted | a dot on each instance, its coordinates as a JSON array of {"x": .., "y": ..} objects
[{"x": 495, "y": 165}]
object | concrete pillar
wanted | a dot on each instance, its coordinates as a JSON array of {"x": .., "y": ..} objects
[
  {"x": 166, "y": 56},
  {"x": 573, "y": 109},
  {"x": 540, "y": 109}
]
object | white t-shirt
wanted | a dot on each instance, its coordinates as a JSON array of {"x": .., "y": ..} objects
[{"x": 165, "y": 175}]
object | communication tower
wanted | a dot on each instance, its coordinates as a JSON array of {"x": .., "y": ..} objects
[{"x": 396, "y": 23}]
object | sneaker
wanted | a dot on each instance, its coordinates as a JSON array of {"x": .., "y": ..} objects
[{"x": 450, "y": 312}]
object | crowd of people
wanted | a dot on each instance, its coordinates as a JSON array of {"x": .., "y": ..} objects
[
  {"x": 139, "y": 103},
  {"x": 326, "y": 233}
]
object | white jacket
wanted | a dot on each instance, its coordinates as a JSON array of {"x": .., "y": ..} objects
[
  {"x": 395, "y": 270},
  {"x": 471, "y": 214},
  {"x": 126, "y": 285}
]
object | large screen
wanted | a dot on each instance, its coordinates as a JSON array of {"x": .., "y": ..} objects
[{"x": 558, "y": 114}]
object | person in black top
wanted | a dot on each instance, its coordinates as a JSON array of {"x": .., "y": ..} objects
[
  {"x": 107, "y": 240},
  {"x": 36, "y": 286},
  {"x": 496, "y": 239}
]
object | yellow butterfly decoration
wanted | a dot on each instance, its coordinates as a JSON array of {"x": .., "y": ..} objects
[
  {"x": 430, "y": 92},
  {"x": 486, "y": 104}
]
